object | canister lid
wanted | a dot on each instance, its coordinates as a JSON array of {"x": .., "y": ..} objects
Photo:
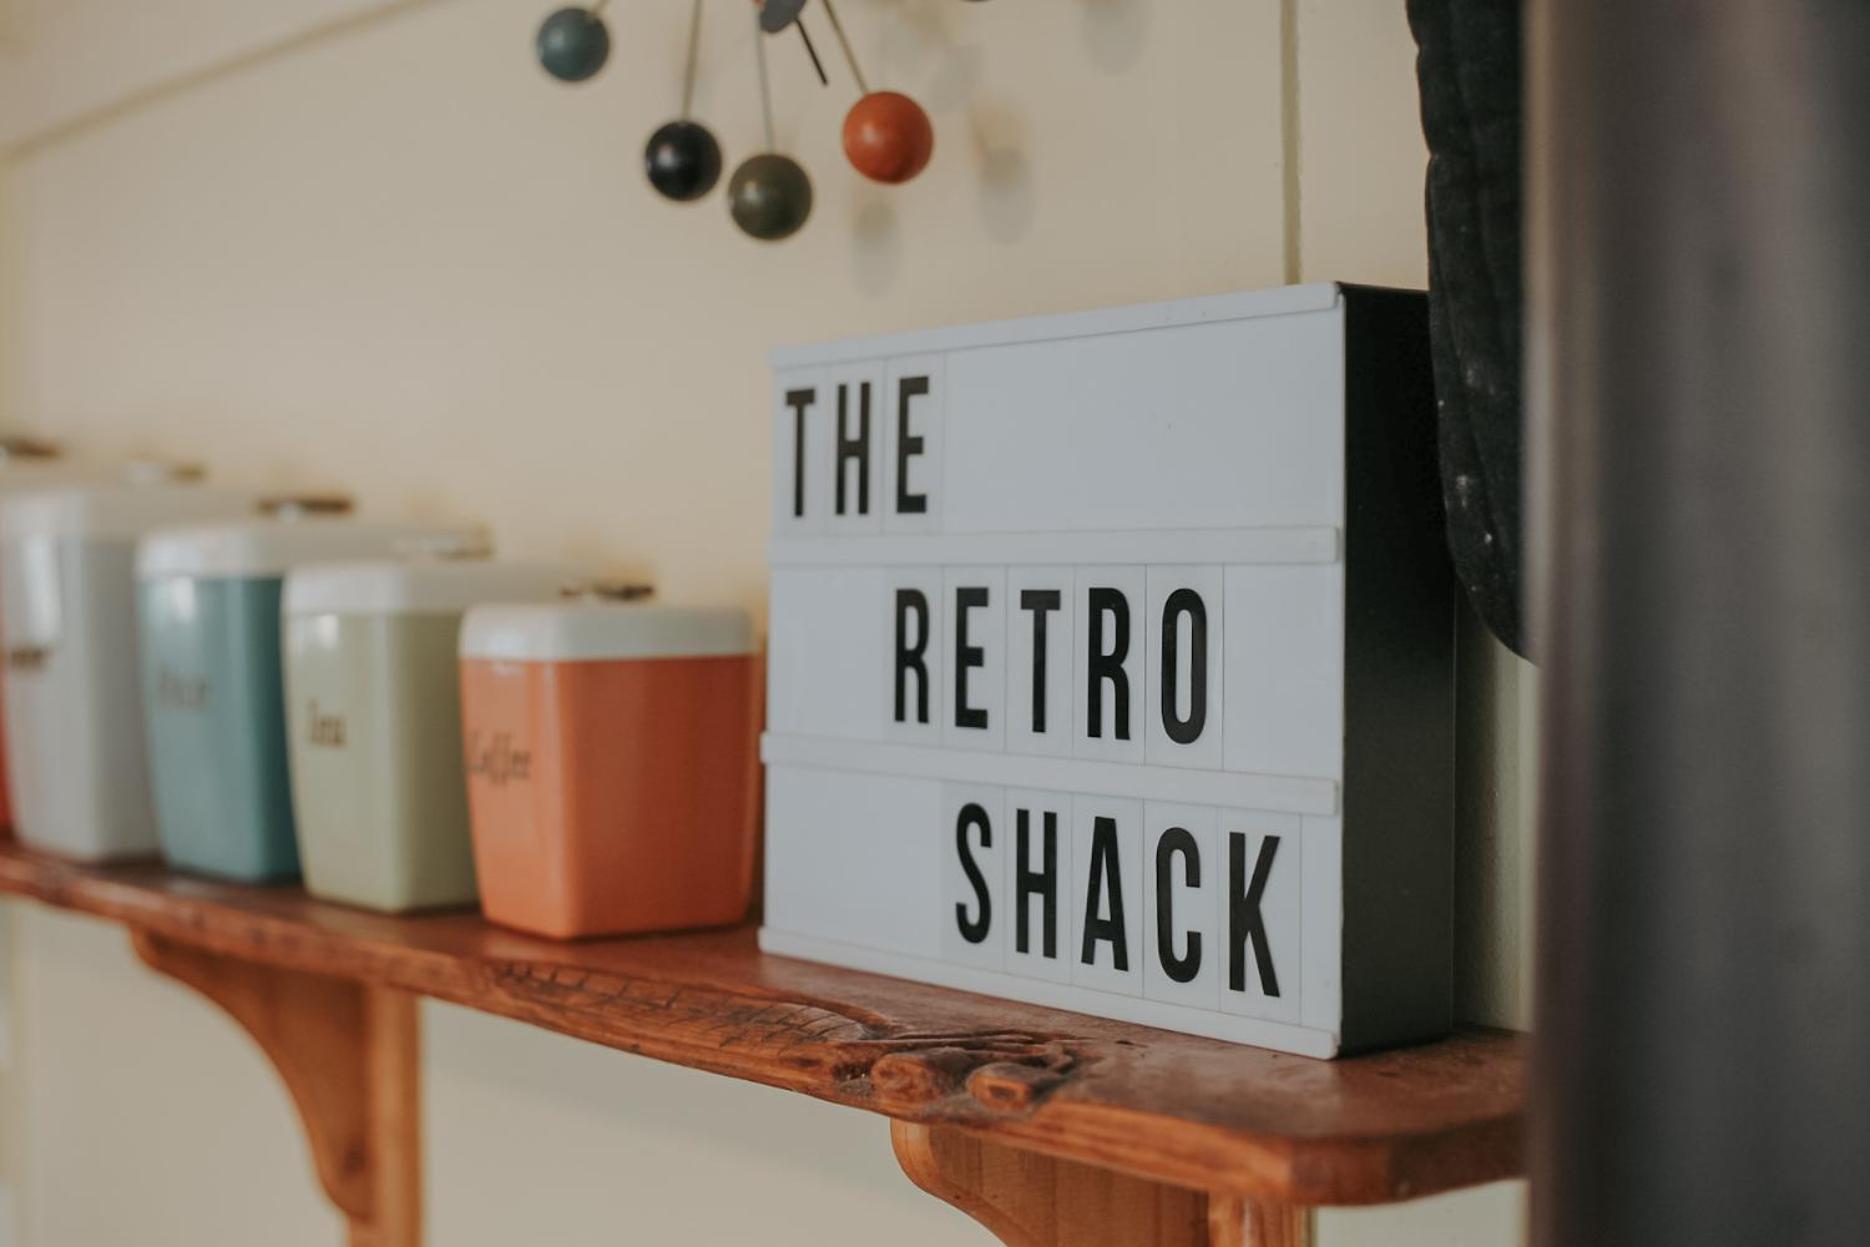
[
  {"x": 122, "y": 508},
  {"x": 23, "y": 471},
  {"x": 303, "y": 506},
  {"x": 18, "y": 449},
  {"x": 270, "y": 547},
  {"x": 145, "y": 471},
  {"x": 419, "y": 586},
  {"x": 583, "y": 630}
]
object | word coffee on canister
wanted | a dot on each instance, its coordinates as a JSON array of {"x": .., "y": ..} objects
[{"x": 1111, "y": 666}]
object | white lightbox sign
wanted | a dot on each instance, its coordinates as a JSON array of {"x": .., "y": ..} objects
[{"x": 1111, "y": 665}]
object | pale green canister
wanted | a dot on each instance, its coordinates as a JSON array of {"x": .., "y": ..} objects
[{"x": 373, "y": 693}]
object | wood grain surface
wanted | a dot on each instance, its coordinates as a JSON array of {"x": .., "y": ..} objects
[{"x": 1175, "y": 1109}]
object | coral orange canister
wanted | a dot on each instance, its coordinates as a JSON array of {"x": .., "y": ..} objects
[{"x": 610, "y": 759}]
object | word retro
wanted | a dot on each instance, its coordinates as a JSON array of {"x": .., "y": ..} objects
[
  {"x": 1110, "y": 666},
  {"x": 980, "y": 617}
]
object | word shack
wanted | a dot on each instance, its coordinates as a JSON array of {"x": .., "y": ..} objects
[{"x": 1111, "y": 666}]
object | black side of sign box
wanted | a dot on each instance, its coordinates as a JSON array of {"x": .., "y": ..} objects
[{"x": 1399, "y": 654}]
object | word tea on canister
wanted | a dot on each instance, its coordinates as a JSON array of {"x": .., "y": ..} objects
[
  {"x": 74, "y": 739},
  {"x": 1112, "y": 666},
  {"x": 373, "y": 690},
  {"x": 213, "y": 685},
  {"x": 611, "y": 765}
]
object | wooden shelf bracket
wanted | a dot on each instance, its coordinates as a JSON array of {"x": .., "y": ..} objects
[
  {"x": 348, "y": 1054},
  {"x": 1030, "y": 1200}
]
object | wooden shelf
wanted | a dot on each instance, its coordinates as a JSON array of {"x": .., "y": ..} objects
[{"x": 1171, "y": 1109}]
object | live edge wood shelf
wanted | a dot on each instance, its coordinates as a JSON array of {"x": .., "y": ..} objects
[{"x": 1048, "y": 1127}]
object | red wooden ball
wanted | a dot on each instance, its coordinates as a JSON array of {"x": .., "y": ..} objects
[{"x": 887, "y": 137}]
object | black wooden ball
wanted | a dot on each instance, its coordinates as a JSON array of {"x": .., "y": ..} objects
[
  {"x": 770, "y": 196},
  {"x": 683, "y": 160},
  {"x": 573, "y": 44}
]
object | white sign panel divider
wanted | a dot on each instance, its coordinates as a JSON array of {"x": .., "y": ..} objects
[{"x": 1111, "y": 666}]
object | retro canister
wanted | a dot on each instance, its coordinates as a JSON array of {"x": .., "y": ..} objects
[
  {"x": 213, "y": 690},
  {"x": 25, "y": 464},
  {"x": 75, "y": 751},
  {"x": 373, "y": 694},
  {"x": 611, "y": 765}
]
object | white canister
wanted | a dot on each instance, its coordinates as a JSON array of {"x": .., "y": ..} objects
[
  {"x": 29, "y": 464},
  {"x": 75, "y": 752}
]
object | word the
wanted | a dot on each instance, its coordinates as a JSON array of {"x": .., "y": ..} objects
[{"x": 852, "y": 460}]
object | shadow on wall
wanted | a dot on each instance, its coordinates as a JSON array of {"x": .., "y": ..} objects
[
  {"x": 1006, "y": 207},
  {"x": 1003, "y": 198},
  {"x": 921, "y": 48},
  {"x": 256, "y": 57},
  {"x": 665, "y": 1105},
  {"x": 1115, "y": 32},
  {"x": 876, "y": 245}
]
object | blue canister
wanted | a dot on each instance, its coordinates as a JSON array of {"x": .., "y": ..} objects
[{"x": 213, "y": 695}]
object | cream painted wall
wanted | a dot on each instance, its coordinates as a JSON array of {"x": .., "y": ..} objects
[{"x": 344, "y": 241}]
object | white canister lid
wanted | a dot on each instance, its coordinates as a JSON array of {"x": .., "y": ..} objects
[
  {"x": 592, "y": 630},
  {"x": 17, "y": 450},
  {"x": 420, "y": 586},
  {"x": 271, "y": 547},
  {"x": 116, "y": 509},
  {"x": 29, "y": 463}
]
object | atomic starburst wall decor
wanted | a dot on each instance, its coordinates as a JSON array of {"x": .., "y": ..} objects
[
  {"x": 769, "y": 195},
  {"x": 887, "y": 136},
  {"x": 683, "y": 159},
  {"x": 574, "y": 43}
]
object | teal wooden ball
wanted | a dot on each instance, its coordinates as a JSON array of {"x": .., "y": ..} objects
[
  {"x": 573, "y": 44},
  {"x": 770, "y": 196}
]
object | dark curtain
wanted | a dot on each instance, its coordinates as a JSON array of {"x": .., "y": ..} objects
[{"x": 1468, "y": 68}]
